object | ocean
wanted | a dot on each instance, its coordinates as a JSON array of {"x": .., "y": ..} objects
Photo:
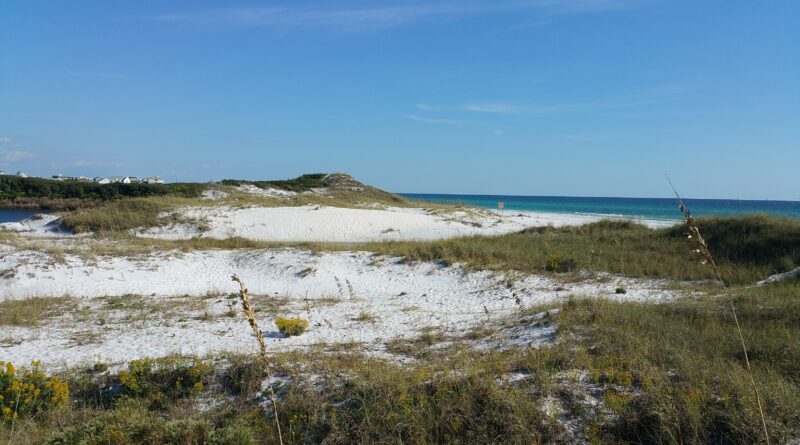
[{"x": 647, "y": 208}]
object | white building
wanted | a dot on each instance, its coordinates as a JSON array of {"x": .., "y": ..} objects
[
  {"x": 154, "y": 180},
  {"x": 22, "y": 174},
  {"x": 102, "y": 180}
]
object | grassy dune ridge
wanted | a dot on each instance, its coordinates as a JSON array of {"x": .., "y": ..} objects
[
  {"x": 121, "y": 213},
  {"x": 747, "y": 248}
]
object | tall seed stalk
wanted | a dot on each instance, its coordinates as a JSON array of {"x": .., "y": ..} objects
[
  {"x": 250, "y": 315},
  {"x": 701, "y": 248}
]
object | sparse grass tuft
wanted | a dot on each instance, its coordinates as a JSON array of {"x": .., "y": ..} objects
[
  {"x": 365, "y": 317},
  {"x": 33, "y": 311}
]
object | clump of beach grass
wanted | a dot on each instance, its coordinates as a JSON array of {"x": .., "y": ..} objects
[
  {"x": 365, "y": 317},
  {"x": 701, "y": 249},
  {"x": 33, "y": 311},
  {"x": 247, "y": 310}
]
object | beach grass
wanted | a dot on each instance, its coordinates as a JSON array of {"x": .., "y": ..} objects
[
  {"x": 699, "y": 389},
  {"x": 33, "y": 311},
  {"x": 123, "y": 214},
  {"x": 747, "y": 248}
]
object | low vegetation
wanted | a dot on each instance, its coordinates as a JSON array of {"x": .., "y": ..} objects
[
  {"x": 120, "y": 215},
  {"x": 28, "y": 391},
  {"x": 33, "y": 311},
  {"x": 617, "y": 372},
  {"x": 747, "y": 249},
  {"x": 14, "y": 187},
  {"x": 118, "y": 209},
  {"x": 686, "y": 365},
  {"x": 300, "y": 184},
  {"x": 164, "y": 380},
  {"x": 291, "y": 326}
]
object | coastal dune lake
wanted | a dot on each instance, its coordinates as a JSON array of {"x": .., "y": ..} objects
[{"x": 15, "y": 215}]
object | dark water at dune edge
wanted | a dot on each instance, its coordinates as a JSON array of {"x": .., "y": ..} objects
[
  {"x": 648, "y": 208},
  {"x": 14, "y": 215}
]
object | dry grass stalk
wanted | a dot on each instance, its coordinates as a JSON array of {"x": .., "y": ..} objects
[
  {"x": 247, "y": 309},
  {"x": 701, "y": 248}
]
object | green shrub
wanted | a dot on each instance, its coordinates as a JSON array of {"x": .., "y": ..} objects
[
  {"x": 15, "y": 187},
  {"x": 621, "y": 291},
  {"x": 388, "y": 403},
  {"x": 133, "y": 423},
  {"x": 165, "y": 378},
  {"x": 300, "y": 184},
  {"x": 291, "y": 326}
]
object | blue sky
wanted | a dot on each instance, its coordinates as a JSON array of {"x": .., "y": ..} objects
[{"x": 538, "y": 97}]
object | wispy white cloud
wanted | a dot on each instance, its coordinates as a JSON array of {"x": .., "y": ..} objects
[
  {"x": 95, "y": 163},
  {"x": 570, "y": 7},
  {"x": 584, "y": 137},
  {"x": 496, "y": 108},
  {"x": 648, "y": 98},
  {"x": 343, "y": 19},
  {"x": 389, "y": 16},
  {"x": 430, "y": 120},
  {"x": 16, "y": 155},
  {"x": 10, "y": 152},
  {"x": 502, "y": 108}
]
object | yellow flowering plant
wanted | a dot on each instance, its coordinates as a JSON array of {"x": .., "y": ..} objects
[{"x": 28, "y": 390}]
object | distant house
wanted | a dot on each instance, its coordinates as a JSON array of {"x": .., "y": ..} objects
[
  {"x": 132, "y": 180},
  {"x": 60, "y": 177},
  {"x": 83, "y": 178},
  {"x": 2, "y": 173},
  {"x": 22, "y": 174},
  {"x": 115, "y": 178},
  {"x": 154, "y": 180},
  {"x": 102, "y": 180}
]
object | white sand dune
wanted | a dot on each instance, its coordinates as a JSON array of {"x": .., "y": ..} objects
[
  {"x": 331, "y": 290},
  {"x": 346, "y": 296},
  {"x": 335, "y": 224}
]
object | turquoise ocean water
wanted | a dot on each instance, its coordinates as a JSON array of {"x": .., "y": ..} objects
[{"x": 648, "y": 208}]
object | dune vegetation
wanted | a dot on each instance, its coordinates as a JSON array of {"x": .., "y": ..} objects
[
  {"x": 613, "y": 371},
  {"x": 616, "y": 373},
  {"x": 747, "y": 249}
]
